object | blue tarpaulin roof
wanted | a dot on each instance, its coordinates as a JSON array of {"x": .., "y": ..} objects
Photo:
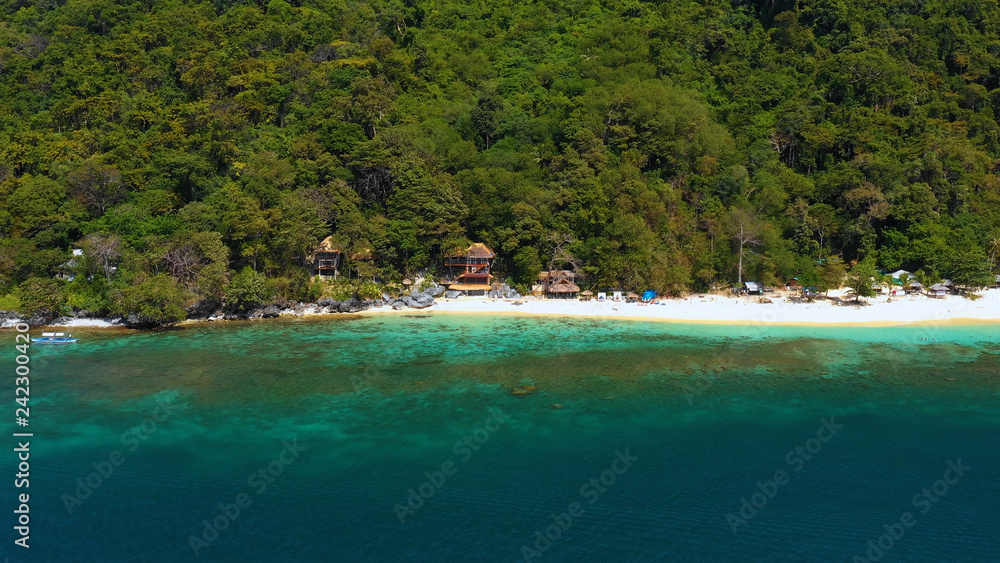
[{"x": 648, "y": 294}]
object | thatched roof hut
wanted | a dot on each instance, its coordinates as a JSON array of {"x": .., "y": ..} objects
[
  {"x": 326, "y": 258},
  {"x": 564, "y": 288}
]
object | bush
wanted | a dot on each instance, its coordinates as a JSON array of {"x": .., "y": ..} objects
[
  {"x": 247, "y": 290},
  {"x": 340, "y": 290},
  {"x": 41, "y": 296},
  {"x": 9, "y": 302},
  {"x": 315, "y": 290},
  {"x": 88, "y": 295},
  {"x": 370, "y": 291},
  {"x": 157, "y": 299}
]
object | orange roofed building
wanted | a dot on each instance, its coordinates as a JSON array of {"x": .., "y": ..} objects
[{"x": 469, "y": 271}]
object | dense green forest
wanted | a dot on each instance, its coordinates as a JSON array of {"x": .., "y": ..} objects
[{"x": 200, "y": 150}]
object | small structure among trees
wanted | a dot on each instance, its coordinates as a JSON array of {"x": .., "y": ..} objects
[
  {"x": 326, "y": 259},
  {"x": 468, "y": 271},
  {"x": 559, "y": 284}
]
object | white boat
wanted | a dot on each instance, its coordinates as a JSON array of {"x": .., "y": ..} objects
[{"x": 54, "y": 338}]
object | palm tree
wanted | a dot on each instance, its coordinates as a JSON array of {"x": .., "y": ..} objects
[{"x": 995, "y": 251}]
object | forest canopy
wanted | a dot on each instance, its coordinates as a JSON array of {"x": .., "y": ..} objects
[{"x": 185, "y": 145}]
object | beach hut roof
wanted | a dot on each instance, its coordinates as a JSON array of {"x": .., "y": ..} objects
[
  {"x": 939, "y": 287},
  {"x": 588, "y": 292},
  {"x": 632, "y": 295},
  {"x": 557, "y": 274},
  {"x": 479, "y": 250},
  {"x": 326, "y": 245},
  {"x": 564, "y": 287},
  {"x": 362, "y": 254}
]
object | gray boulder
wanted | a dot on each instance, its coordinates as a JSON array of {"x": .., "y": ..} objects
[
  {"x": 398, "y": 305},
  {"x": 453, "y": 294},
  {"x": 327, "y": 303},
  {"x": 435, "y": 290},
  {"x": 418, "y": 303},
  {"x": 352, "y": 305},
  {"x": 271, "y": 312}
]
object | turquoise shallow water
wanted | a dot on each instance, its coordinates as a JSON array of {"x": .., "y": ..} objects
[{"x": 345, "y": 416}]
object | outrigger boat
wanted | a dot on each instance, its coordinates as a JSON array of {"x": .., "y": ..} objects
[{"x": 54, "y": 338}]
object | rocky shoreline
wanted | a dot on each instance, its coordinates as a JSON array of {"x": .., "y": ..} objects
[{"x": 417, "y": 299}]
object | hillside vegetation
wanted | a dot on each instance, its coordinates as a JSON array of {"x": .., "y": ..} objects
[{"x": 661, "y": 144}]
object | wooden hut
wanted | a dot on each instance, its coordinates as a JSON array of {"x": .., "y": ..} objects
[
  {"x": 586, "y": 295},
  {"x": 559, "y": 284},
  {"x": 326, "y": 259},
  {"x": 938, "y": 290},
  {"x": 563, "y": 289},
  {"x": 468, "y": 271}
]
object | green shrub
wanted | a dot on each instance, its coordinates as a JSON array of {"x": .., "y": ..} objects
[
  {"x": 9, "y": 302},
  {"x": 248, "y": 289},
  {"x": 369, "y": 291},
  {"x": 158, "y": 299},
  {"x": 41, "y": 296}
]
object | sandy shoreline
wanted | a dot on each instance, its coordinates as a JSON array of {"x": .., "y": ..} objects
[
  {"x": 707, "y": 309},
  {"x": 713, "y": 309}
]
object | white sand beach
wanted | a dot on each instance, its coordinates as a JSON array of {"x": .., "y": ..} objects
[
  {"x": 742, "y": 310},
  {"x": 707, "y": 308}
]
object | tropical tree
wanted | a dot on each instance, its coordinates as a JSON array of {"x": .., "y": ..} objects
[{"x": 861, "y": 278}]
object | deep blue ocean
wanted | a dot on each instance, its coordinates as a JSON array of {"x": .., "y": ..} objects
[{"x": 448, "y": 438}]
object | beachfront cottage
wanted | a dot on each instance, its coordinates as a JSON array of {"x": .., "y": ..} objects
[
  {"x": 559, "y": 284},
  {"x": 468, "y": 271},
  {"x": 326, "y": 259},
  {"x": 753, "y": 288},
  {"x": 938, "y": 290}
]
